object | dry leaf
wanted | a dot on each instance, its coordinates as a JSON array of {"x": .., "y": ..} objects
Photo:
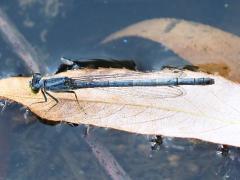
[
  {"x": 208, "y": 113},
  {"x": 200, "y": 44}
]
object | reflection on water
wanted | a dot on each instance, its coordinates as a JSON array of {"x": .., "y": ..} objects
[{"x": 55, "y": 28}]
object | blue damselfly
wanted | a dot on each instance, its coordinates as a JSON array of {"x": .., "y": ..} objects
[{"x": 69, "y": 84}]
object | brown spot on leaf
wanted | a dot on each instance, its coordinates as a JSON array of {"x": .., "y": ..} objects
[{"x": 212, "y": 68}]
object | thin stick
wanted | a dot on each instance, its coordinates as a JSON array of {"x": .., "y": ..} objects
[
  {"x": 106, "y": 159},
  {"x": 18, "y": 42}
]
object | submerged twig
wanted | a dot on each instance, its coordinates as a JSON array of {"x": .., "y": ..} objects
[
  {"x": 106, "y": 159},
  {"x": 18, "y": 42}
]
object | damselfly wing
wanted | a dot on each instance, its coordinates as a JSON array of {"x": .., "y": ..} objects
[
  {"x": 95, "y": 109},
  {"x": 139, "y": 92}
]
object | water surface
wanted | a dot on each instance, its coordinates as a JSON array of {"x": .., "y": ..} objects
[{"x": 73, "y": 29}]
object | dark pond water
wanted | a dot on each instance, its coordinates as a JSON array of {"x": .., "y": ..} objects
[{"x": 73, "y": 29}]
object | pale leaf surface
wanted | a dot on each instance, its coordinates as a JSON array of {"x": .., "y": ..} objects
[{"x": 207, "y": 112}]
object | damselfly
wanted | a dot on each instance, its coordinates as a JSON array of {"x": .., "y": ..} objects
[{"x": 69, "y": 84}]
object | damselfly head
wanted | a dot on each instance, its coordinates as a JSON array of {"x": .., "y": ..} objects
[{"x": 35, "y": 82}]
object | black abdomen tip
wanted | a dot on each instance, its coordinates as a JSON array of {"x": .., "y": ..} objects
[{"x": 209, "y": 81}]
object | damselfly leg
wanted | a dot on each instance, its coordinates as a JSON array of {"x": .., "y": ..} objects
[
  {"x": 55, "y": 99},
  {"x": 44, "y": 95},
  {"x": 73, "y": 92}
]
